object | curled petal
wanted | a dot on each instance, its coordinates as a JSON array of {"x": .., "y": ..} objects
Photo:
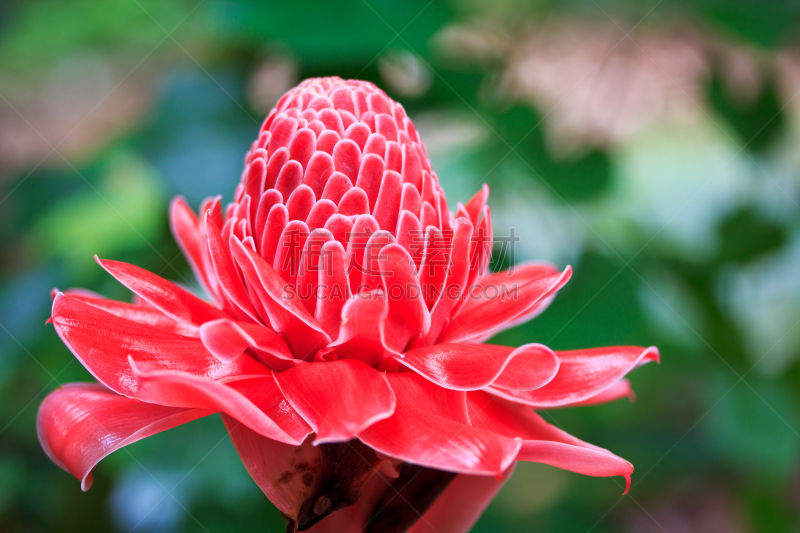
[
  {"x": 517, "y": 275},
  {"x": 509, "y": 302},
  {"x": 102, "y": 342},
  {"x": 338, "y": 399},
  {"x": 179, "y": 389},
  {"x": 584, "y": 461},
  {"x": 543, "y": 443},
  {"x": 81, "y": 423},
  {"x": 583, "y": 374},
  {"x": 475, "y": 366},
  {"x": 420, "y": 432},
  {"x": 617, "y": 391}
]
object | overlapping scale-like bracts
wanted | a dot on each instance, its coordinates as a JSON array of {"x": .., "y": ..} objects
[
  {"x": 337, "y": 173},
  {"x": 348, "y": 309}
]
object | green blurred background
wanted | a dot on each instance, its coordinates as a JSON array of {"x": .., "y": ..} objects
[{"x": 650, "y": 144}]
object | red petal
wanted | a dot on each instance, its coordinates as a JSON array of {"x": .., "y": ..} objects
[
  {"x": 428, "y": 215},
  {"x": 410, "y": 199},
  {"x": 509, "y": 301},
  {"x": 424, "y": 432},
  {"x": 289, "y": 179},
  {"x": 277, "y": 219},
  {"x": 302, "y": 146},
  {"x": 336, "y": 187},
  {"x": 186, "y": 230},
  {"x": 583, "y": 374},
  {"x": 308, "y": 271},
  {"x": 482, "y": 247},
  {"x": 265, "y": 394},
  {"x": 474, "y": 207},
  {"x": 412, "y": 166},
  {"x": 338, "y": 399},
  {"x": 617, "y": 391},
  {"x": 409, "y": 235},
  {"x": 376, "y": 144},
  {"x": 339, "y": 226},
  {"x": 179, "y": 389},
  {"x": 386, "y": 126},
  {"x": 433, "y": 269},
  {"x": 300, "y": 203},
  {"x": 516, "y": 275},
  {"x": 408, "y": 315},
  {"x": 289, "y": 249},
  {"x": 362, "y": 334},
  {"x": 174, "y": 301},
  {"x": 456, "y": 284},
  {"x": 475, "y": 366},
  {"x": 102, "y": 342},
  {"x": 143, "y": 313},
  {"x": 254, "y": 183},
  {"x": 387, "y": 205},
  {"x": 334, "y": 289},
  {"x": 227, "y": 340},
  {"x": 371, "y": 269},
  {"x": 277, "y": 160},
  {"x": 543, "y": 443},
  {"x": 268, "y": 200},
  {"x": 363, "y": 227},
  {"x": 320, "y": 214},
  {"x": 369, "y": 177},
  {"x": 282, "y": 132},
  {"x": 226, "y": 272},
  {"x": 287, "y": 315},
  {"x": 81, "y": 423},
  {"x": 320, "y": 167},
  {"x": 354, "y": 202},
  {"x": 347, "y": 158}
]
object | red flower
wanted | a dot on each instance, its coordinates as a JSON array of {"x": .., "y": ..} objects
[{"x": 342, "y": 346}]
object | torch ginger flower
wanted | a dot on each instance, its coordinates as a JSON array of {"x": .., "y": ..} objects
[{"x": 343, "y": 345}]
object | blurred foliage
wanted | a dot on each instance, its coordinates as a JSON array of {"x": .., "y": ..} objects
[{"x": 683, "y": 234}]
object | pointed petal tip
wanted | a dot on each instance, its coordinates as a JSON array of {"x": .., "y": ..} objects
[
  {"x": 87, "y": 482},
  {"x": 178, "y": 198},
  {"x": 652, "y": 354},
  {"x": 56, "y": 297},
  {"x": 627, "y": 477}
]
